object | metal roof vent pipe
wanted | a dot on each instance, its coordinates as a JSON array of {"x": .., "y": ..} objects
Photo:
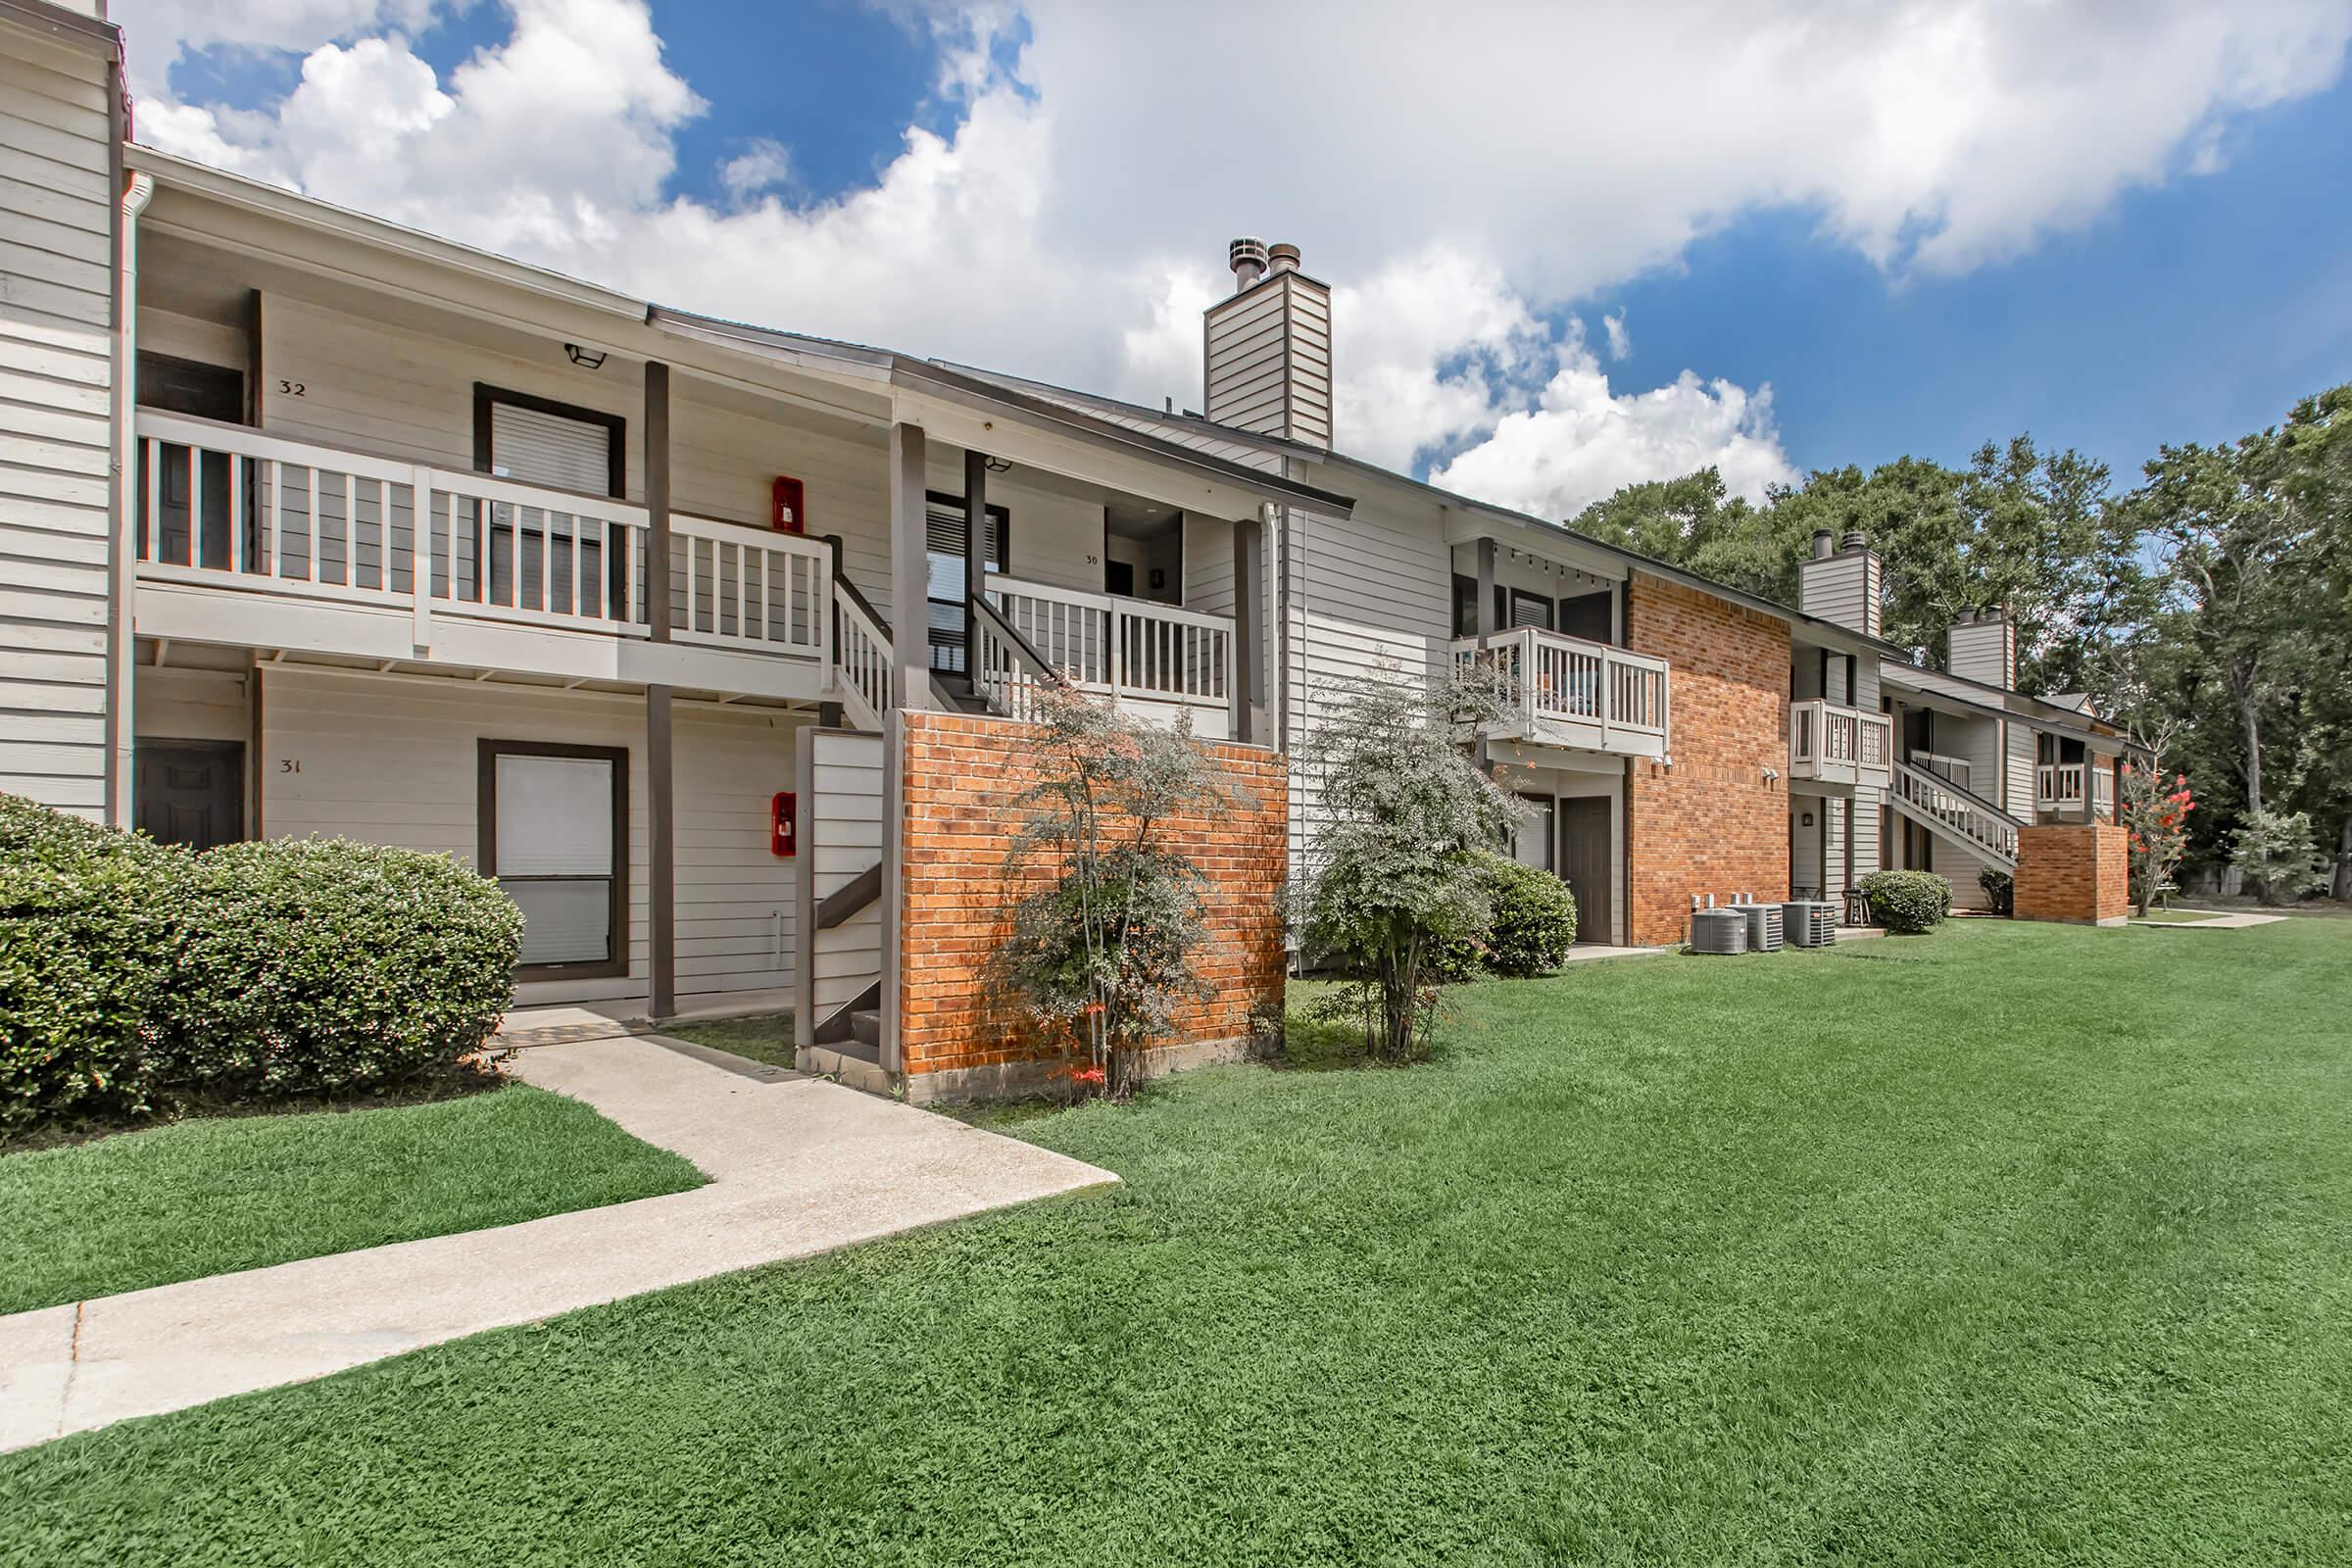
[
  {"x": 1968, "y": 618},
  {"x": 1824, "y": 544},
  {"x": 1856, "y": 539},
  {"x": 1248, "y": 258},
  {"x": 1283, "y": 258}
]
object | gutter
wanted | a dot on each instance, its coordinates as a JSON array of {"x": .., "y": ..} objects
[{"x": 123, "y": 548}]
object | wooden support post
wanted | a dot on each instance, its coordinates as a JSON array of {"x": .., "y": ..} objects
[
  {"x": 657, "y": 501},
  {"x": 909, "y": 570},
  {"x": 976, "y": 553},
  {"x": 1489, "y": 623},
  {"x": 1248, "y": 617},
  {"x": 661, "y": 898}
]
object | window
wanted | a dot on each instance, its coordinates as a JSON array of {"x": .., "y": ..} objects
[
  {"x": 944, "y": 548},
  {"x": 555, "y": 834},
  {"x": 534, "y": 440},
  {"x": 1514, "y": 608}
]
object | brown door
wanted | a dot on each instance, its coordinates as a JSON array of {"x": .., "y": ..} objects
[
  {"x": 191, "y": 792},
  {"x": 1585, "y": 864}
]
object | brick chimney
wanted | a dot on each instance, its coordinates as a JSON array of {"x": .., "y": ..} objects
[
  {"x": 1983, "y": 647},
  {"x": 1840, "y": 581},
  {"x": 1268, "y": 347}
]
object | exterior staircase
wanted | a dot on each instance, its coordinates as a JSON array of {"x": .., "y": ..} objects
[{"x": 1955, "y": 814}]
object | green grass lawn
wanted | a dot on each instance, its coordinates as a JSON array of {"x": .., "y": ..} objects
[
  {"x": 217, "y": 1193},
  {"x": 2006, "y": 1245},
  {"x": 765, "y": 1039}
]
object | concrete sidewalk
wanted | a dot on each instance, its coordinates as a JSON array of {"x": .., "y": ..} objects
[{"x": 796, "y": 1168}]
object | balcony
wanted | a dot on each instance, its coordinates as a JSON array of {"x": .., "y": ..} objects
[
  {"x": 1836, "y": 745},
  {"x": 2058, "y": 790},
  {"x": 1574, "y": 694},
  {"x": 251, "y": 539},
  {"x": 1154, "y": 660}
]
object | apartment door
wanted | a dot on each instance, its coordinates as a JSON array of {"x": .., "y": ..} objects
[
  {"x": 1585, "y": 864},
  {"x": 190, "y": 792}
]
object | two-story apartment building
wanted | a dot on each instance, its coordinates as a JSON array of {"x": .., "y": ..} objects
[{"x": 705, "y": 638}]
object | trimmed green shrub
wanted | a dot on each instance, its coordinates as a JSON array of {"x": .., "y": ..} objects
[
  {"x": 89, "y": 940},
  {"x": 1908, "y": 902},
  {"x": 317, "y": 966},
  {"x": 2001, "y": 890},
  {"x": 1533, "y": 922}
]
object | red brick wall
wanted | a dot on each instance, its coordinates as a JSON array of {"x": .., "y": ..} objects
[
  {"x": 961, "y": 775},
  {"x": 2078, "y": 872},
  {"x": 1712, "y": 822}
]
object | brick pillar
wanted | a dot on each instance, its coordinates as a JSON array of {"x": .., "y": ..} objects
[{"x": 2073, "y": 873}]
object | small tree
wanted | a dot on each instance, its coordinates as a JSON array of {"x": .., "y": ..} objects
[
  {"x": 2154, "y": 811},
  {"x": 1099, "y": 952},
  {"x": 2274, "y": 849},
  {"x": 1402, "y": 816}
]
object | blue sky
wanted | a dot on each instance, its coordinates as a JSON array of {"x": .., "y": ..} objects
[{"x": 2124, "y": 298}]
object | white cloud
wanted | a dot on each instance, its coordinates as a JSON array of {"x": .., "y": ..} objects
[
  {"x": 1071, "y": 223},
  {"x": 764, "y": 165},
  {"x": 1620, "y": 344},
  {"x": 1580, "y": 440}
]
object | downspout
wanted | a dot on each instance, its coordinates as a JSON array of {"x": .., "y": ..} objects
[{"x": 135, "y": 193}]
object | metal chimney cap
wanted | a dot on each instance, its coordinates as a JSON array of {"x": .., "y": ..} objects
[
  {"x": 1283, "y": 258},
  {"x": 1968, "y": 618},
  {"x": 1247, "y": 257},
  {"x": 1824, "y": 544},
  {"x": 1856, "y": 539}
]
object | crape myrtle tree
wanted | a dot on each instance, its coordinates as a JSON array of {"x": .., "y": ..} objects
[{"x": 1402, "y": 815}]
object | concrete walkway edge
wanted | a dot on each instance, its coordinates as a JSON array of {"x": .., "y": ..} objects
[{"x": 796, "y": 1168}]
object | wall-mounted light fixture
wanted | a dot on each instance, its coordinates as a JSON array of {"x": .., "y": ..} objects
[
  {"x": 999, "y": 466},
  {"x": 585, "y": 359}
]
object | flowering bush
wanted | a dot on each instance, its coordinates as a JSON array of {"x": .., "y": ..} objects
[{"x": 2154, "y": 814}]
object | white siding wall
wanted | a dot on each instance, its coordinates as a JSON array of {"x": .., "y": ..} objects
[
  {"x": 1366, "y": 593},
  {"x": 842, "y": 823},
  {"x": 396, "y": 762},
  {"x": 1869, "y": 812},
  {"x": 56, "y": 426},
  {"x": 2020, "y": 747},
  {"x": 190, "y": 705}
]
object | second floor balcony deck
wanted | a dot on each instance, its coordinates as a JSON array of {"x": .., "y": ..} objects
[
  {"x": 1567, "y": 692},
  {"x": 1839, "y": 745}
]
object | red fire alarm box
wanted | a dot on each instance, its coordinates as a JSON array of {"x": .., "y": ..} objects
[
  {"x": 784, "y": 825},
  {"x": 790, "y": 512}
]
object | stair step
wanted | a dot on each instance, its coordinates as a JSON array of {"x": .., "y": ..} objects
[{"x": 865, "y": 1028}]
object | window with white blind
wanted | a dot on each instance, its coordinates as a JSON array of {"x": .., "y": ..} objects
[
  {"x": 554, "y": 830},
  {"x": 533, "y": 446},
  {"x": 1530, "y": 610},
  {"x": 943, "y": 528}
]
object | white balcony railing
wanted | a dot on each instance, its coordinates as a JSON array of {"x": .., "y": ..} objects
[
  {"x": 222, "y": 506},
  {"x": 1840, "y": 745},
  {"x": 1129, "y": 649},
  {"x": 1565, "y": 690},
  {"x": 1953, "y": 769},
  {"x": 2058, "y": 787}
]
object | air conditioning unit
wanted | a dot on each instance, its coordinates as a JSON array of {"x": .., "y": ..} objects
[
  {"x": 1810, "y": 923},
  {"x": 1763, "y": 926},
  {"x": 1718, "y": 931}
]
